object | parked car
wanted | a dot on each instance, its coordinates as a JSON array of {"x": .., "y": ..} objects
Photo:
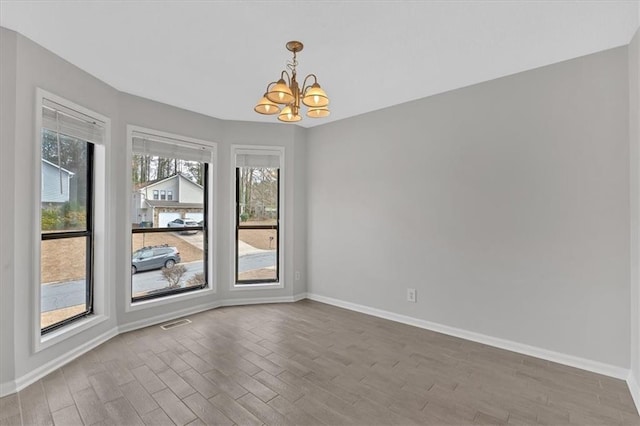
[
  {"x": 184, "y": 223},
  {"x": 154, "y": 257}
]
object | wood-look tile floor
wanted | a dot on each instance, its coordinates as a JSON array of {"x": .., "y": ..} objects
[{"x": 308, "y": 363}]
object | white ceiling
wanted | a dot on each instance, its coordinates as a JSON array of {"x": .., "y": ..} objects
[{"x": 216, "y": 57}]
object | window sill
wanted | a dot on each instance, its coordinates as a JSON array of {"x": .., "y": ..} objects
[
  {"x": 151, "y": 303},
  {"x": 64, "y": 333},
  {"x": 257, "y": 286}
]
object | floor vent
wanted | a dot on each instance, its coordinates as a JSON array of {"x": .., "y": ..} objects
[{"x": 175, "y": 324}]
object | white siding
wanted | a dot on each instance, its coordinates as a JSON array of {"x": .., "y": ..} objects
[
  {"x": 165, "y": 185},
  {"x": 190, "y": 192},
  {"x": 52, "y": 190}
]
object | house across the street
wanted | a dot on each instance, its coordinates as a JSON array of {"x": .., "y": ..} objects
[
  {"x": 56, "y": 183},
  {"x": 159, "y": 202}
]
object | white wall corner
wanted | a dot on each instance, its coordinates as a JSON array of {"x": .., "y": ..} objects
[
  {"x": 634, "y": 388},
  {"x": 300, "y": 296},
  {"x": 570, "y": 360}
]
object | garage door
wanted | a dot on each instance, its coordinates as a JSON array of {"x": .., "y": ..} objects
[
  {"x": 195, "y": 216},
  {"x": 164, "y": 218}
]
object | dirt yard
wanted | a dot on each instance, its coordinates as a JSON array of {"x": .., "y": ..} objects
[
  {"x": 188, "y": 252},
  {"x": 259, "y": 238},
  {"x": 64, "y": 259},
  {"x": 52, "y": 317}
]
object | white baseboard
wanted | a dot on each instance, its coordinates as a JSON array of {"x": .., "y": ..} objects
[
  {"x": 570, "y": 360},
  {"x": 201, "y": 308},
  {"x": 146, "y": 322},
  {"x": 10, "y": 387},
  {"x": 40, "y": 372},
  {"x": 300, "y": 296},
  {"x": 634, "y": 388},
  {"x": 258, "y": 300}
]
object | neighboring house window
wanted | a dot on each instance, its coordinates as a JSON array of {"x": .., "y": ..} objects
[
  {"x": 257, "y": 216},
  {"x": 169, "y": 195},
  {"x": 66, "y": 214},
  {"x": 155, "y": 194},
  {"x": 171, "y": 257}
]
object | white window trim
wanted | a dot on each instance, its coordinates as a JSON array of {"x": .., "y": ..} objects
[
  {"x": 102, "y": 243},
  {"x": 212, "y": 262},
  {"x": 257, "y": 149}
]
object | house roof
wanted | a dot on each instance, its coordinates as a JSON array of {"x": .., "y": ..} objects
[
  {"x": 145, "y": 185},
  {"x": 367, "y": 55},
  {"x": 58, "y": 167}
]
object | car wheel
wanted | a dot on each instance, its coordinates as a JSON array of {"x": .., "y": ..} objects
[
  {"x": 169, "y": 263},
  {"x": 133, "y": 270}
]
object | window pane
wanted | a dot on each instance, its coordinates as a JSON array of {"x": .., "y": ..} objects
[
  {"x": 257, "y": 258},
  {"x": 257, "y": 198},
  {"x": 258, "y": 195},
  {"x": 166, "y": 261},
  {"x": 64, "y": 191},
  {"x": 167, "y": 193},
  {"x": 63, "y": 279}
]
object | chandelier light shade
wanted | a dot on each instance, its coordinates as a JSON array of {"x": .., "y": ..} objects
[
  {"x": 286, "y": 93},
  {"x": 288, "y": 115},
  {"x": 318, "y": 112},
  {"x": 315, "y": 97},
  {"x": 266, "y": 107},
  {"x": 280, "y": 93}
]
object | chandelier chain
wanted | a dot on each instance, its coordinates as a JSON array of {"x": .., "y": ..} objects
[{"x": 293, "y": 64}]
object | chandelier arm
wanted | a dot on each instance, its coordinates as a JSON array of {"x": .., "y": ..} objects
[
  {"x": 269, "y": 85},
  {"x": 283, "y": 73},
  {"x": 304, "y": 83}
]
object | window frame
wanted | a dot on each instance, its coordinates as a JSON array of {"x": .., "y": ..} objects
[
  {"x": 87, "y": 233},
  {"x": 103, "y": 213},
  {"x": 211, "y": 247},
  {"x": 169, "y": 230},
  {"x": 280, "y": 256}
]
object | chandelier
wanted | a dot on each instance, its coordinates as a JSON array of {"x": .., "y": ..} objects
[{"x": 289, "y": 95}]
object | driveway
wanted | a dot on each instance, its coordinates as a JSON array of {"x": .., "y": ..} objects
[{"x": 197, "y": 240}]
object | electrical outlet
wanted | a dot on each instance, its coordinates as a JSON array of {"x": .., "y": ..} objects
[
  {"x": 297, "y": 275},
  {"x": 412, "y": 295}
]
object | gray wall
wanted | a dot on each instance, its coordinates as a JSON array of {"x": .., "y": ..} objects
[
  {"x": 634, "y": 143},
  {"x": 7, "y": 195},
  {"x": 26, "y": 66},
  {"x": 37, "y": 67},
  {"x": 143, "y": 112},
  {"x": 505, "y": 204}
]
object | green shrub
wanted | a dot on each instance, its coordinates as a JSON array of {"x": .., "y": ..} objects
[
  {"x": 51, "y": 220},
  {"x": 67, "y": 216}
]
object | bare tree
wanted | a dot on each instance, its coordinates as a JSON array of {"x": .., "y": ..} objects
[
  {"x": 174, "y": 275},
  {"x": 196, "y": 280}
]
